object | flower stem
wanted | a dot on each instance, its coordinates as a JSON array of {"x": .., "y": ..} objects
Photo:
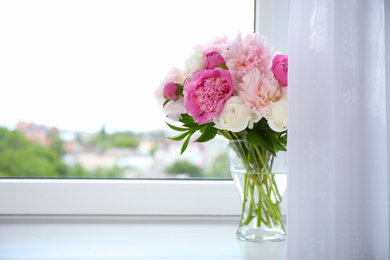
[{"x": 261, "y": 197}]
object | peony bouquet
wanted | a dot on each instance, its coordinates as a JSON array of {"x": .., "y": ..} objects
[
  {"x": 238, "y": 89},
  {"x": 235, "y": 88}
]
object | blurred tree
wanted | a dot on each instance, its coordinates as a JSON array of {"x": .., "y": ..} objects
[
  {"x": 100, "y": 140},
  {"x": 184, "y": 167},
  {"x": 56, "y": 144},
  {"x": 219, "y": 168},
  {"x": 77, "y": 171},
  {"x": 124, "y": 139},
  {"x": 107, "y": 172},
  {"x": 20, "y": 158}
]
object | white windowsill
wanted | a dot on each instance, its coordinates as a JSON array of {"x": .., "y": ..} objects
[
  {"x": 124, "y": 219},
  {"x": 143, "y": 239}
]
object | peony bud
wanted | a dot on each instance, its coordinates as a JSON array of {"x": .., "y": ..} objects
[
  {"x": 172, "y": 91},
  {"x": 213, "y": 60},
  {"x": 280, "y": 68}
]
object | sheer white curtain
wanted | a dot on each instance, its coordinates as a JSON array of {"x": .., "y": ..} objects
[{"x": 338, "y": 180}]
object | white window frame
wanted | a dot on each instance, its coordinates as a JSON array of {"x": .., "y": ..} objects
[
  {"x": 70, "y": 197},
  {"x": 138, "y": 197}
]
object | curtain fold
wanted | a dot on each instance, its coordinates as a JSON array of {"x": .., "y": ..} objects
[{"x": 338, "y": 189}]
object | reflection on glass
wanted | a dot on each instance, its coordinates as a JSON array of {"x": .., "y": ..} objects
[{"x": 78, "y": 81}]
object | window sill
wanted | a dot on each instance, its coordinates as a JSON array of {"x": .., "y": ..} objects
[
  {"x": 142, "y": 239},
  {"x": 124, "y": 219}
]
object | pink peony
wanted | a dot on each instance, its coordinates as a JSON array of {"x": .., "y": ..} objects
[
  {"x": 205, "y": 95},
  {"x": 247, "y": 55},
  {"x": 258, "y": 92},
  {"x": 170, "y": 91},
  {"x": 280, "y": 68},
  {"x": 213, "y": 60}
]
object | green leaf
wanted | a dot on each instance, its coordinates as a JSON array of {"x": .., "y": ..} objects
[
  {"x": 260, "y": 139},
  {"x": 180, "y": 137},
  {"x": 194, "y": 126},
  {"x": 277, "y": 142},
  {"x": 180, "y": 129},
  {"x": 185, "y": 144},
  {"x": 267, "y": 138},
  {"x": 279, "y": 147},
  {"x": 186, "y": 118},
  {"x": 209, "y": 132},
  {"x": 189, "y": 122}
]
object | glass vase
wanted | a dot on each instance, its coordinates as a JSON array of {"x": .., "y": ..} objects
[{"x": 261, "y": 181}]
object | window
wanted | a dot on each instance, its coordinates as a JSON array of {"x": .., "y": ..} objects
[
  {"x": 80, "y": 78},
  {"x": 104, "y": 197}
]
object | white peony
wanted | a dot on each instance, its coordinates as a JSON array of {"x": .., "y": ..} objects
[
  {"x": 277, "y": 116},
  {"x": 174, "y": 109},
  {"x": 194, "y": 63},
  {"x": 235, "y": 116}
]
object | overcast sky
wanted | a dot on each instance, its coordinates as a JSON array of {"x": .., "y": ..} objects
[{"x": 79, "y": 64}]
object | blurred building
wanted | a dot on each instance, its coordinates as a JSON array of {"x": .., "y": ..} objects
[{"x": 37, "y": 133}]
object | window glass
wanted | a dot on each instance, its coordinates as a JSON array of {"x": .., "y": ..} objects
[{"x": 78, "y": 79}]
